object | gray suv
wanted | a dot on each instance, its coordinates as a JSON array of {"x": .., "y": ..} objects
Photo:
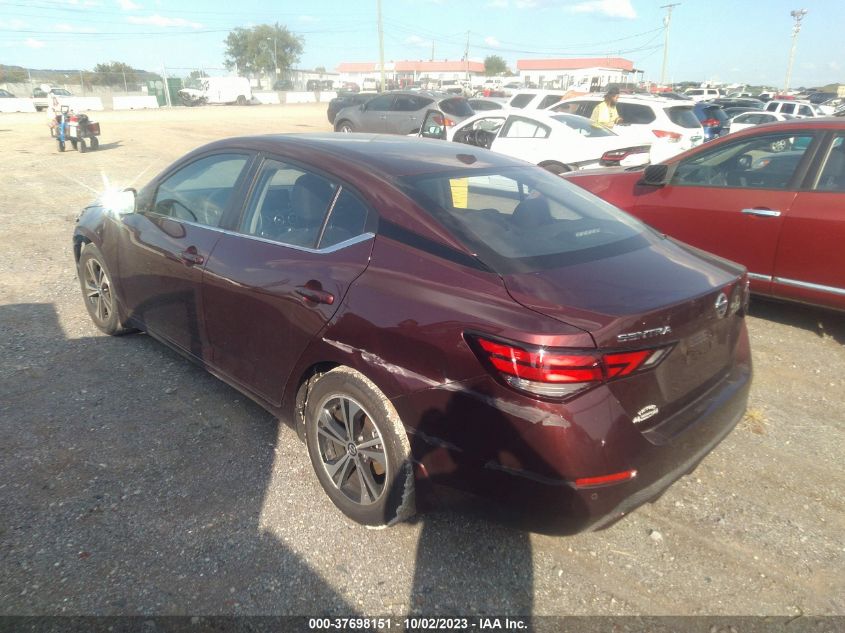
[{"x": 401, "y": 112}]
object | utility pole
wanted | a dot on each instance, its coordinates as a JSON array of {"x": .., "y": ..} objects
[
  {"x": 380, "y": 46},
  {"x": 466, "y": 59},
  {"x": 667, "y": 21},
  {"x": 797, "y": 16}
]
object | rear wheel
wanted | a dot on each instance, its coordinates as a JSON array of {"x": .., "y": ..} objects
[
  {"x": 359, "y": 449},
  {"x": 81, "y": 146},
  {"x": 97, "y": 291},
  {"x": 344, "y": 126},
  {"x": 73, "y": 143},
  {"x": 241, "y": 100},
  {"x": 95, "y": 142}
]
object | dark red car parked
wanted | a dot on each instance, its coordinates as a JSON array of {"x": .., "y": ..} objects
[
  {"x": 771, "y": 197},
  {"x": 430, "y": 315}
]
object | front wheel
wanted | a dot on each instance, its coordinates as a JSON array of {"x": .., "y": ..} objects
[
  {"x": 81, "y": 146},
  {"x": 345, "y": 126},
  {"x": 359, "y": 449},
  {"x": 95, "y": 142},
  {"x": 241, "y": 100},
  {"x": 61, "y": 146},
  {"x": 97, "y": 291}
]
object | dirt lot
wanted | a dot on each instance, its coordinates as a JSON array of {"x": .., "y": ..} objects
[{"x": 133, "y": 482}]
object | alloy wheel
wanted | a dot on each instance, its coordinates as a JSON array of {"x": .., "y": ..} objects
[
  {"x": 351, "y": 450},
  {"x": 98, "y": 290}
]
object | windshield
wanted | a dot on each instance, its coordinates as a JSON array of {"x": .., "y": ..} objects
[
  {"x": 61, "y": 92},
  {"x": 582, "y": 125},
  {"x": 521, "y": 219}
]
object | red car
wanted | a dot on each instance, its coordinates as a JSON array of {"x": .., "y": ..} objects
[
  {"x": 432, "y": 316},
  {"x": 771, "y": 197}
]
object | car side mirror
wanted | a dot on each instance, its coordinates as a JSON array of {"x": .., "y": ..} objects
[
  {"x": 119, "y": 203},
  {"x": 655, "y": 176},
  {"x": 433, "y": 126}
]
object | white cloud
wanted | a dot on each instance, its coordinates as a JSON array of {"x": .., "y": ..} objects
[
  {"x": 308, "y": 19},
  {"x": 498, "y": 4},
  {"x": 14, "y": 23},
  {"x": 160, "y": 20},
  {"x": 31, "y": 43},
  {"x": 492, "y": 41},
  {"x": 69, "y": 28},
  {"x": 128, "y": 5},
  {"x": 834, "y": 65},
  {"x": 607, "y": 8},
  {"x": 416, "y": 40}
]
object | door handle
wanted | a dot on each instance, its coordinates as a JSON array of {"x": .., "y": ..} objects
[
  {"x": 763, "y": 213},
  {"x": 314, "y": 295},
  {"x": 191, "y": 257}
]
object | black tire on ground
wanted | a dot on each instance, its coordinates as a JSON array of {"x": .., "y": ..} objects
[
  {"x": 73, "y": 143},
  {"x": 359, "y": 448},
  {"x": 555, "y": 168},
  {"x": 81, "y": 146},
  {"x": 344, "y": 126},
  {"x": 241, "y": 100},
  {"x": 61, "y": 146},
  {"x": 97, "y": 292},
  {"x": 95, "y": 142}
]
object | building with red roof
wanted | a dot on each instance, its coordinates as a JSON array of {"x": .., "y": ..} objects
[
  {"x": 585, "y": 74},
  {"x": 403, "y": 72}
]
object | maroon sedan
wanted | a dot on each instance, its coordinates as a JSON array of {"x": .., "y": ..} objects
[
  {"x": 432, "y": 318},
  {"x": 771, "y": 197}
]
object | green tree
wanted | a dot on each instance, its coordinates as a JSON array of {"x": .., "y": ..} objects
[
  {"x": 494, "y": 65},
  {"x": 252, "y": 50},
  {"x": 113, "y": 74}
]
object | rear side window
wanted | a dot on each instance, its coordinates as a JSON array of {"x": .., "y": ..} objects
[
  {"x": 635, "y": 113},
  {"x": 457, "y": 107},
  {"x": 410, "y": 103},
  {"x": 520, "y": 101},
  {"x": 787, "y": 108},
  {"x": 772, "y": 107},
  {"x": 380, "y": 104},
  {"x": 684, "y": 117}
]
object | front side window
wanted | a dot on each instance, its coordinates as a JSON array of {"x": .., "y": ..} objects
[
  {"x": 288, "y": 205},
  {"x": 548, "y": 100},
  {"x": 805, "y": 111},
  {"x": 379, "y": 104},
  {"x": 201, "y": 191},
  {"x": 583, "y": 126},
  {"x": 761, "y": 162},
  {"x": 788, "y": 108}
]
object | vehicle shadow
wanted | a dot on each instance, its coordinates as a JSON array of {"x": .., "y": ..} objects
[
  {"x": 108, "y": 507},
  {"x": 821, "y": 322},
  {"x": 104, "y": 147}
]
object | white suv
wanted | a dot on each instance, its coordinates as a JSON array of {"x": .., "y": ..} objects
[
  {"x": 795, "y": 108},
  {"x": 669, "y": 125}
]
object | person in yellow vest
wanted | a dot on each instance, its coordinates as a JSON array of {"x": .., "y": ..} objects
[{"x": 605, "y": 114}]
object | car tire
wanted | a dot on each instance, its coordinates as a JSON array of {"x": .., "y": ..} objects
[
  {"x": 81, "y": 146},
  {"x": 555, "y": 168},
  {"x": 97, "y": 291},
  {"x": 345, "y": 126},
  {"x": 241, "y": 100},
  {"x": 359, "y": 448},
  {"x": 73, "y": 143},
  {"x": 95, "y": 142},
  {"x": 61, "y": 146}
]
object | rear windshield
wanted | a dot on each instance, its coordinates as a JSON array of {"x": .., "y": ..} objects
[
  {"x": 683, "y": 116},
  {"x": 520, "y": 101},
  {"x": 520, "y": 219},
  {"x": 457, "y": 107}
]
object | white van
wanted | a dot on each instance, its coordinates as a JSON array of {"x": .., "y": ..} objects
[
  {"x": 702, "y": 94},
  {"x": 218, "y": 90}
]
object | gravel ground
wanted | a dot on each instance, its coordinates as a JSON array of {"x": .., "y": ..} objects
[{"x": 132, "y": 482}]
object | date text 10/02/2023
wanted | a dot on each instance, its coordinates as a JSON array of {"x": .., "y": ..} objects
[{"x": 419, "y": 623}]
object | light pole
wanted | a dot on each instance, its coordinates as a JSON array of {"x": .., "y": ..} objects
[
  {"x": 797, "y": 16},
  {"x": 667, "y": 21}
]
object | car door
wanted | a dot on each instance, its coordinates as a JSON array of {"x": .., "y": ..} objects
[
  {"x": 522, "y": 137},
  {"x": 731, "y": 200},
  {"x": 374, "y": 115},
  {"x": 273, "y": 282},
  {"x": 169, "y": 238},
  {"x": 810, "y": 260}
]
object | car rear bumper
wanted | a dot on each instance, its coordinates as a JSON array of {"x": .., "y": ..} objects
[{"x": 522, "y": 462}]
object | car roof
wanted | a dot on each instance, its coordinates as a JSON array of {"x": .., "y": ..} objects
[
  {"x": 634, "y": 98},
  {"x": 385, "y": 154}
]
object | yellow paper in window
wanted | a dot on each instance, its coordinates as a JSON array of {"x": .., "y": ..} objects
[{"x": 460, "y": 192}]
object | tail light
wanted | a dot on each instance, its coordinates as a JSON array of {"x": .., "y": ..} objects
[
  {"x": 710, "y": 123},
  {"x": 448, "y": 122},
  {"x": 560, "y": 373},
  {"x": 616, "y": 156},
  {"x": 672, "y": 137}
]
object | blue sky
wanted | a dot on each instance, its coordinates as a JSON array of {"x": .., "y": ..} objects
[{"x": 726, "y": 40}]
